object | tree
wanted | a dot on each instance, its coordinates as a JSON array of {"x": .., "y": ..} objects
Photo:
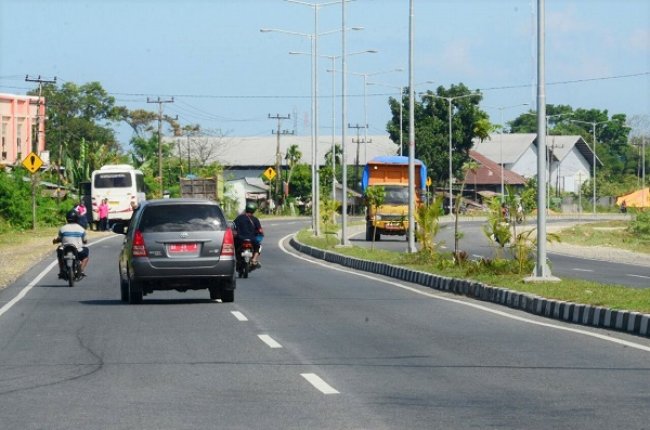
[
  {"x": 375, "y": 197},
  {"x": 293, "y": 157},
  {"x": 79, "y": 113},
  {"x": 432, "y": 128}
]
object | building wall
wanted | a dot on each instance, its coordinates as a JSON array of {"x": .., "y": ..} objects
[
  {"x": 526, "y": 165},
  {"x": 18, "y": 121},
  {"x": 572, "y": 171}
]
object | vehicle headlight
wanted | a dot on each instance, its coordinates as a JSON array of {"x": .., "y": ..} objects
[{"x": 378, "y": 217}]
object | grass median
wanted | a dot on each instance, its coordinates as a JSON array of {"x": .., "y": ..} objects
[{"x": 573, "y": 290}]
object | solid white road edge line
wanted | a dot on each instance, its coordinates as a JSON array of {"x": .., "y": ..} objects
[
  {"x": 240, "y": 316},
  {"x": 471, "y": 305},
  {"x": 36, "y": 280},
  {"x": 269, "y": 341},
  {"x": 638, "y": 276},
  {"x": 582, "y": 270},
  {"x": 318, "y": 383}
]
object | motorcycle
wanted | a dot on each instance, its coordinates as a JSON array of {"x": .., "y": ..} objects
[
  {"x": 71, "y": 265},
  {"x": 244, "y": 257}
]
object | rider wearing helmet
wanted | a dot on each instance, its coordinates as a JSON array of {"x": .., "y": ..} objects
[
  {"x": 74, "y": 234},
  {"x": 248, "y": 227}
]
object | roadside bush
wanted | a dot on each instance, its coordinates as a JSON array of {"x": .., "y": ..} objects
[{"x": 641, "y": 224}]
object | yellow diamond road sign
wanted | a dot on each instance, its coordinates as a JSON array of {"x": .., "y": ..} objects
[
  {"x": 32, "y": 162},
  {"x": 429, "y": 181},
  {"x": 269, "y": 173}
]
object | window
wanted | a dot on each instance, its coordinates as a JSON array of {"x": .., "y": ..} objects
[
  {"x": 113, "y": 180},
  {"x": 170, "y": 218}
]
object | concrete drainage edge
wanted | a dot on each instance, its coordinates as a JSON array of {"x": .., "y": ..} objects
[{"x": 596, "y": 316}]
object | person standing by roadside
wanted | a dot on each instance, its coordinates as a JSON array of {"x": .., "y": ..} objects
[
  {"x": 81, "y": 211},
  {"x": 103, "y": 215}
]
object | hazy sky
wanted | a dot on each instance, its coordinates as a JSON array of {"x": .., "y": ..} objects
[{"x": 225, "y": 74}]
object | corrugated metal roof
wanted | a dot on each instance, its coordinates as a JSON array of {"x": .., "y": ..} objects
[
  {"x": 489, "y": 173},
  {"x": 509, "y": 147},
  {"x": 261, "y": 150}
]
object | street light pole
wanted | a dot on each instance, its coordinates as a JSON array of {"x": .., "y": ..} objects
[
  {"x": 314, "y": 134},
  {"x": 594, "y": 158},
  {"x": 501, "y": 109},
  {"x": 451, "y": 172},
  {"x": 333, "y": 58}
]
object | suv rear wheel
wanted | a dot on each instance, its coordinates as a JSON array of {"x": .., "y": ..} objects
[{"x": 135, "y": 292}]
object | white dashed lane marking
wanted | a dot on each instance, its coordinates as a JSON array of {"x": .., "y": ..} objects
[
  {"x": 318, "y": 383},
  {"x": 240, "y": 316},
  {"x": 269, "y": 341},
  {"x": 582, "y": 270}
]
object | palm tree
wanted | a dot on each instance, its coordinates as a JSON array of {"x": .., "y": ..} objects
[{"x": 293, "y": 157}]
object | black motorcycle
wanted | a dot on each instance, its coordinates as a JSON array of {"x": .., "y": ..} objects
[
  {"x": 71, "y": 265},
  {"x": 244, "y": 257}
]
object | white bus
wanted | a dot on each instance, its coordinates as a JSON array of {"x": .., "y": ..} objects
[{"x": 122, "y": 185}]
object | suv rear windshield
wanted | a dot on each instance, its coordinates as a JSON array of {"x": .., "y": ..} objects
[{"x": 182, "y": 218}]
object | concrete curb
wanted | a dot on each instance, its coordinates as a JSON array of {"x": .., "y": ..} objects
[{"x": 588, "y": 315}]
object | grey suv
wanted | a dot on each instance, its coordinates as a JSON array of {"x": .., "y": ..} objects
[{"x": 177, "y": 244}]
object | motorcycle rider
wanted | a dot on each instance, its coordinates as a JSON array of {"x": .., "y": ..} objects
[
  {"x": 74, "y": 234},
  {"x": 248, "y": 227}
]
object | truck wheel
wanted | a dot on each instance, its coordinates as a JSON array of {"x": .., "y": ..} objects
[
  {"x": 377, "y": 237},
  {"x": 368, "y": 233}
]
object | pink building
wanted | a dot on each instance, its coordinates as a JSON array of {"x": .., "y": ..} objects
[{"x": 18, "y": 130}]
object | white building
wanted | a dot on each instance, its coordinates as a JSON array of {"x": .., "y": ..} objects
[{"x": 571, "y": 159}]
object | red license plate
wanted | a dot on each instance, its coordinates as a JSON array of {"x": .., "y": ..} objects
[{"x": 182, "y": 248}]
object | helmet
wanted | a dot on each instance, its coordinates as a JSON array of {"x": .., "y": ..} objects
[
  {"x": 251, "y": 207},
  {"x": 71, "y": 216}
]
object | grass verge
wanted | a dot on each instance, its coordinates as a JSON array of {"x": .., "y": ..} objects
[{"x": 573, "y": 290}]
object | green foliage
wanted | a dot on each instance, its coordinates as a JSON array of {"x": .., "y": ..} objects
[
  {"x": 432, "y": 128},
  {"x": 16, "y": 203},
  {"x": 428, "y": 219},
  {"x": 375, "y": 197},
  {"x": 79, "y": 113},
  {"x": 640, "y": 225},
  {"x": 328, "y": 209},
  {"x": 497, "y": 230},
  {"x": 301, "y": 181}
]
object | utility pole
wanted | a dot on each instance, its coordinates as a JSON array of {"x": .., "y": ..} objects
[
  {"x": 160, "y": 114},
  {"x": 278, "y": 157},
  {"x": 36, "y": 141},
  {"x": 40, "y": 81},
  {"x": 358, "y": 141}
]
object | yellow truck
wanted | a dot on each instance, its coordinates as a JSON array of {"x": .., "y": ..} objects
[{"x": 391, "y": 173}]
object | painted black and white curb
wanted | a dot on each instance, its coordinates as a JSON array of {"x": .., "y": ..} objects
[{"x": 595, "y": 316}]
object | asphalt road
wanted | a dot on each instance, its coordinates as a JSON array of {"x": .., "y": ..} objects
[
  {"x": 305, "y": 345},
  {"x": 476, "y": 244}
]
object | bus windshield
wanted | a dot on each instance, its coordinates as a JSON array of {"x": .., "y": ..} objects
[{"x": 112, "y": 180}]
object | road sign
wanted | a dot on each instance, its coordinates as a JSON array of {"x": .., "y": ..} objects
[
  {"x": 32, "y": 162},
  {"x": 269, "y": 173},
  {"x": 428, "y": 181}
]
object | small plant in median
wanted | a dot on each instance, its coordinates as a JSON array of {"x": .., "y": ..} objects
[
  {"x": 375, "y": 197},
  {"x": 428, "y": 219},
  {"x": 328, "y": 209}
]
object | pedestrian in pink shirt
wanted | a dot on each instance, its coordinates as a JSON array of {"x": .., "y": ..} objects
[{"x": 103, "y": 215}]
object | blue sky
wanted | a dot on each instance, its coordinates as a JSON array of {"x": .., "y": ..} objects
[{"x": 226, "y": 75}]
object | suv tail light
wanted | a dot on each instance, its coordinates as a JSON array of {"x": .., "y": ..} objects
[
  {"x": 138, "y": 248},
  {"x": 228, "y": 246}
]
